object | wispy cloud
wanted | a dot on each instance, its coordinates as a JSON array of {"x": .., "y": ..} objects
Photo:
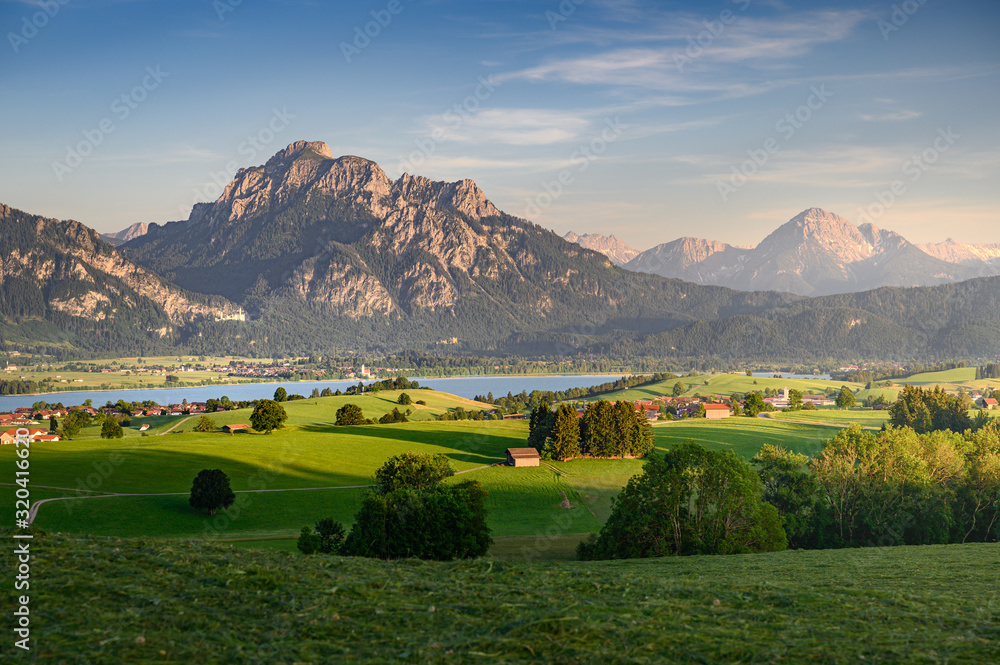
[
  {"x": 648, "y": 56},
  {"x": 184, "y": 154},
  {"x": 891, "y": 116},
  {"x": 520, "y": 127}
]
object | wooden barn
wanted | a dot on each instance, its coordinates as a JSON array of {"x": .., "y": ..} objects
[
  {"x": 717, "y": 411},
  {"x": 522, "y": 457}
]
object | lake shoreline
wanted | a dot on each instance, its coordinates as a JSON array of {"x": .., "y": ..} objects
[{"x": 191, "y": 393}]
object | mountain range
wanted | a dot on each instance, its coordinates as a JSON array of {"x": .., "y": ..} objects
[
  {"x": 311, "y": 253},
  {"x": 331, "y": 248},
  {"x": 814, "y": 253}
]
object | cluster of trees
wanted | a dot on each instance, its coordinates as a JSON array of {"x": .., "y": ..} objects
[
  {"x": 410, "y": 513},
  {"x": 895, "y": 487},
  {"x": 689, "y": 500},
  {"x": 459, "y": 413},
  {"x": 988, "y": 371},
  {"x": 605, "y": 430},
  {"x": 398, "y": 383},
  {"x": 929, "y": 410},
  {"x": 515, "y": 403},
  {"x": 18, "y": 387},
  {"x": 74, "y": 421},
  {"x": 281, "y": 395},
  {"x": 394, "y": 416},
  {"x": 351, "y": 414}
]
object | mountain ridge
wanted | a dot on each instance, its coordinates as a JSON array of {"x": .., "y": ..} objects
[
  {"x": 63, "y": 273},
  {"x": 814, "y": 253},
  {"x": 334, "y": 239}
]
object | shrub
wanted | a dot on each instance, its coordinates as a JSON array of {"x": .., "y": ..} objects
[{"x": 205, "y": 424}]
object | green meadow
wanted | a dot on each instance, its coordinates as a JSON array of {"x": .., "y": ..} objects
[
  {"x": 943, "y": 378},
  {"x": 726, "y": 384},
  {"x": 312, "y": 469},
  {"x": 114, "y": 600},
  {"x": 834, "y": 417}
]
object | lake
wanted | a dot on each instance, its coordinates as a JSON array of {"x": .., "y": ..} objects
[
  {"x": 465, "y": 386},
  {"x": 785, "y": 375}
]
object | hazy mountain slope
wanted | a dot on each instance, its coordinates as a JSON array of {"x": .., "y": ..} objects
[
  {"x": 123, "y": 236},
  {"x": 814, "y": 253},
  {"x": 610, "y": 246},
  {"x": 690, "y": 259},
  {"x": 976, "y": 255}
]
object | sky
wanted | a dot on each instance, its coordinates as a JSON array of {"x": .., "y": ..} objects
[{"x": 648, "y": 120}]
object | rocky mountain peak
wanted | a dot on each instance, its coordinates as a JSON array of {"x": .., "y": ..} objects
[
  {"x": 611, "y": 246},
  {"x": 814, "y": 230},
  {"x": 314, "y": 149},
  {"x": 463, "y": 195}
]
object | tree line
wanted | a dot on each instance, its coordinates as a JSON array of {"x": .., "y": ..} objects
[
  {"x": 604, "y": 430},
  {"x": 524, "y": 400},
  {"x": 894, "y": 487}
]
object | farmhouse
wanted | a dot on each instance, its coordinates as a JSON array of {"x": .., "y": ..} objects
[
  {"x": 9, "y": 436},
  {"x": 522, "y": 457},
  {"x": 990, "y": 403},
  {"x": 717, "y": 411},
  {"x": 233, "y": 429}
]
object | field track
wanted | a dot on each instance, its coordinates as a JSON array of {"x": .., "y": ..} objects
[{"x": 33, "y": 513}]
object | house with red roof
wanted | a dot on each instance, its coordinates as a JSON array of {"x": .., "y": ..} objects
[{"x": 35, "y": 434}]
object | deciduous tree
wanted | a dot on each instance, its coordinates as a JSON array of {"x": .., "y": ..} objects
[
  {"x": 350, "y": 414},
  {"x": 211, "y": 491},
  {"x": 268, "y": 415}
]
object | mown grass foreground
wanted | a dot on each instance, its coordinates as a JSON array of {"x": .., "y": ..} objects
[{"x": 102, "y": 600}]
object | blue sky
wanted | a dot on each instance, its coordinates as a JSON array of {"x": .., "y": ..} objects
[{"x": 649, "y": 120}]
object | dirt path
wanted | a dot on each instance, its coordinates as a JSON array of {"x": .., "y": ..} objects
[
  {"x": 36, "y": 505},
  {"x": 175, "y": 425},
  {"x": 66, "y": 489},
  {"x": 840, "y": 425}
]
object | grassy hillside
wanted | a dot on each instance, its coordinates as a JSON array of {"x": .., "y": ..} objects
[
  {"x": 951, "y": 376},
  {"x": 725, "y": 384},
  {"x": 742, "y": 435},
  {"x": 167, "y": 602},
  {"x": 312, "y": 453},
  {"x": 834, "y": 417}
]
